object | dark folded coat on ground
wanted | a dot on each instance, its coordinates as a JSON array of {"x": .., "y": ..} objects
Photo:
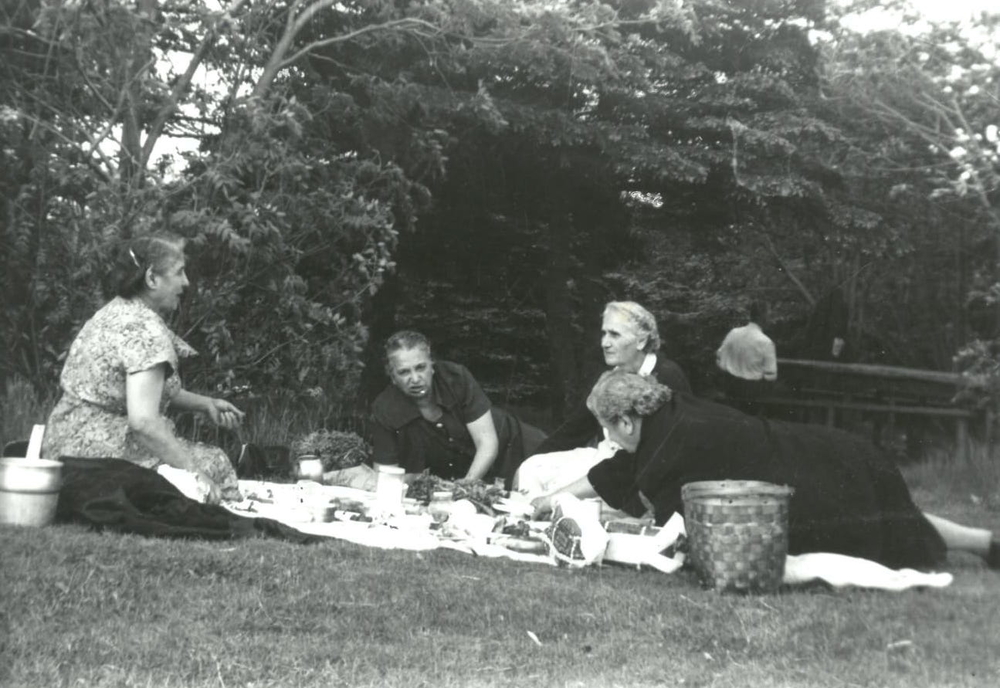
[
  {"x": 850, "y": 497},
  {"x": 117, "y": 495}
]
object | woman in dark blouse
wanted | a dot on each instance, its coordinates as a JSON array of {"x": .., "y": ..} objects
[
  {"x": 849, "y": 497},
  {"x": 434, "y": 416}
]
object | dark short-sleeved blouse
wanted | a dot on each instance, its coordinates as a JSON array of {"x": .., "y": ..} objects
[
  {"x": 402, "y": 436},
  {"x": 850, "y": 497}
]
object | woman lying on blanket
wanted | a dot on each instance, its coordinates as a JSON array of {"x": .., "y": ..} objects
[
  {"x": 434, "y": 416},
  {"x": 122, "y": 373},
  {"x": 849, "y": 497},
  {"x": 630, "y": 340}
]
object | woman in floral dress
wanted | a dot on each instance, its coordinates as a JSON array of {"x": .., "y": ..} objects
[{"x": 122, "y": 373}]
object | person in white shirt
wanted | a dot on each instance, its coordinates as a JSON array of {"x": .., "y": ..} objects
[
  {"x": 750, "y": 359},
  {"x": 747, "y": 352}
]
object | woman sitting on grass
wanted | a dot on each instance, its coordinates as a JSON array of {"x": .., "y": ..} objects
[
  {"x": 434, "y": 416},
  {"x": 121, "y": 374},
  {"x": 849, "y": 497}
]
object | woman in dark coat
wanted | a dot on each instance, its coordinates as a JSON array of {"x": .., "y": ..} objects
[
  {"x": 849, "y": 497},
  {"x": 630, "y": 340}
]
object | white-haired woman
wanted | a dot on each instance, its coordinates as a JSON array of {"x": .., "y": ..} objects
[
  {"x": 121, "y": 374},
  {"x": 849, "y": 496},
  {"x": 630, "y": 340}
]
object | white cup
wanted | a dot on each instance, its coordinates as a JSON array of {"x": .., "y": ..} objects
[
  {"x": 389, "y": 487},
  {"x": 310, "y": 468}
]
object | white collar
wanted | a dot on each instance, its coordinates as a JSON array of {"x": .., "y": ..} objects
[{"x": 648, "y": 364}]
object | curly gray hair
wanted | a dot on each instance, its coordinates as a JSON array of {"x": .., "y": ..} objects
[
  {"x": 643, "y": 320},
  {"x": 406, "y": 339},
  {"x": 619, "y": 393}
]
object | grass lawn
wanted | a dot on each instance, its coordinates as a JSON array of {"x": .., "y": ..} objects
[{"x": 81, "y": 608}]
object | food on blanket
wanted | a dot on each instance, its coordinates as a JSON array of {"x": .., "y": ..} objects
[
  {"x": 483, "y": 495},
  {"x": 322, "y": 512},
  {"x": 521, "y": 544},
  {"x": 423, "y": 487},
  {"x": 346, "y": 504},
  {"x": 335, "y": 448},
  {"x": 257, "y": 493},
  {"x": 340, "y": 515},
  {"x": 480, "y": 493},
  {"x": 517, "y": 529}
]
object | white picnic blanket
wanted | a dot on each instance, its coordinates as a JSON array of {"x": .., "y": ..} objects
[{"x": 295, "y": 505}]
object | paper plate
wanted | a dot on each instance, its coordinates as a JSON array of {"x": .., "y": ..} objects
[{"x": 514, "y": 507}]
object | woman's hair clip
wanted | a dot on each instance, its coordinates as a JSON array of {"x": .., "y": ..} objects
[{"x": 134, "y": 259}]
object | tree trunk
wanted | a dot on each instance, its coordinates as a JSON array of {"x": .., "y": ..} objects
[
  {"x": 961, "y": 326},
  {"x": 130, "y": 162},
  {"x": 558, "y": 315}
]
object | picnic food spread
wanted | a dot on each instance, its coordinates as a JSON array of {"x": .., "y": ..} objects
[{"x": 433, "y": 512}]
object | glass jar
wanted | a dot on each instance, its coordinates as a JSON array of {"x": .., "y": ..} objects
[
  {"x": 440, "y": 506},
  {"x": 389, "y": 487}
]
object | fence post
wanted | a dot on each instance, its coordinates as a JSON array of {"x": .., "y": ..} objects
[
  {"x": 988, "y": 431},
  {"x": 962, "y": 439}
]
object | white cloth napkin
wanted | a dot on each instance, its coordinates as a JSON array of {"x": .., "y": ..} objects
[
  {"x": 840, "y": 570},
  {"x": 185, "y": 481}
]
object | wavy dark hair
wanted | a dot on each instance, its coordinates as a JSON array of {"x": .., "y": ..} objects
[{"x": 150, "y": 251}]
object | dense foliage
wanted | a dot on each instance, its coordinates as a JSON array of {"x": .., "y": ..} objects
[{"x": 492, "y": 172}]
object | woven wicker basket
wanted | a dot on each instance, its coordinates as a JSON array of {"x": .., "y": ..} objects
[{"x": 737, "y": 533}]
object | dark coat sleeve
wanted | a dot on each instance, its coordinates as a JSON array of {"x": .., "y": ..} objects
[
  {"x": 613, "y": 480},
  {"x": 672, "y": 375}
]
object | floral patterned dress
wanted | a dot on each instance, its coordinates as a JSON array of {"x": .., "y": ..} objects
[{"x": 91, "y": 421}]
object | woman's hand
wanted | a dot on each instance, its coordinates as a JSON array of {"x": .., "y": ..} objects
[
  {"x": 542, "y": 506},
  {"x": 213, "y": 495},
  {"x": 223, "y": 413}
]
